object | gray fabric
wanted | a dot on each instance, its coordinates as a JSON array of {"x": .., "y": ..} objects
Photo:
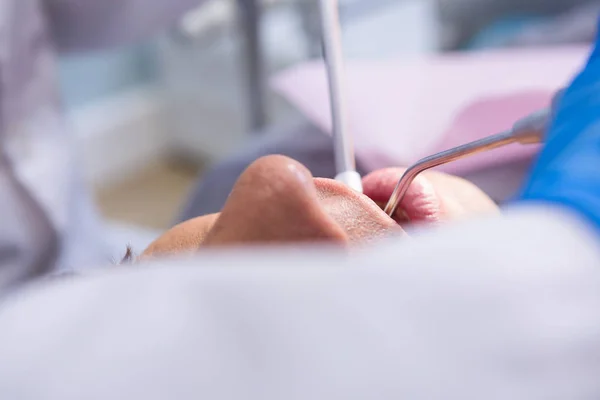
[
  {"x": 28, "y": 235},
  {"x": 303, "y": 142},
  {"x": 28, "y": 244},
  {"x": 43, "y": 191}
]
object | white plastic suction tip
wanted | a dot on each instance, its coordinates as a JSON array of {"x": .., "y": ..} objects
[{"x": 352, "y": 179}]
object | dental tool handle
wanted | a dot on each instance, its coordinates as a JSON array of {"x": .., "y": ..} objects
[
  {"x": 457, "y": 153},
  {"x": 343, "y": 145},
  {"x": 532, "y": 129},
  {"x": 529, "y": 130}
]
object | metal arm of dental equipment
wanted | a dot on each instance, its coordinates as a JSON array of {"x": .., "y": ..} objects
[
  {"x": 529, "y": 130},
  {"x": 343, "y": 145}
]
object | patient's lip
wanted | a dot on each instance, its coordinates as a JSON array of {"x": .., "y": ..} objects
[{"x": 421, "y": 202}]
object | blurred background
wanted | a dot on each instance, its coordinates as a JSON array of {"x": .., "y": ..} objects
[{"x": 150, "y": 118}]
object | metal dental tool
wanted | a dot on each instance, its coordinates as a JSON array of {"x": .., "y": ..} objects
[
  {"x": 342, "y": 141},
  {"x": 529, "y": 130}
]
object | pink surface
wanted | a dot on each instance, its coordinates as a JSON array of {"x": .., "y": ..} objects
[{"x": 402, "y": 110}]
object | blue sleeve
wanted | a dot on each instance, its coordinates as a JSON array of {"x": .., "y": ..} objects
[{"x": 567, "y": 171}]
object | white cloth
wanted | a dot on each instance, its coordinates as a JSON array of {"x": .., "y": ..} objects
[{"x": 504, "y": 308}]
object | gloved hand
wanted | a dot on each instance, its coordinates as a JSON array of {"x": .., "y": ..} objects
[{"x": 567, "y": 171}]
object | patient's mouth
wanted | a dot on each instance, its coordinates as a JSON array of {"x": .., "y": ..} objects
[{"x": 421, "y": 204}]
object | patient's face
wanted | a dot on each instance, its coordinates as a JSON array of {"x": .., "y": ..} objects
[{"x": 277, "y": 200}]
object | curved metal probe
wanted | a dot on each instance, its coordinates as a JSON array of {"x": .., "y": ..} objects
[{"x": 529, "y": 130}]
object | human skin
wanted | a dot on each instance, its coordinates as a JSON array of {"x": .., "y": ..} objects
[{"x": 277, "y": 201}]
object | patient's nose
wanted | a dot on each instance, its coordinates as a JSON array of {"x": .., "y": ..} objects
[{"x": 275, "y": 200}]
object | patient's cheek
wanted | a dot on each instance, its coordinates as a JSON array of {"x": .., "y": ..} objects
[{"x": 183, "y": 238}]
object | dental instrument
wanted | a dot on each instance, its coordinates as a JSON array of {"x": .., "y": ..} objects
[
  {"x": 342, "y": 141},
  {"x": 529, "y": 130}
]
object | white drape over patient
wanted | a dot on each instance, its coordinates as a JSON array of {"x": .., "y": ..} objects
[{"x": 504, "y": 308}]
